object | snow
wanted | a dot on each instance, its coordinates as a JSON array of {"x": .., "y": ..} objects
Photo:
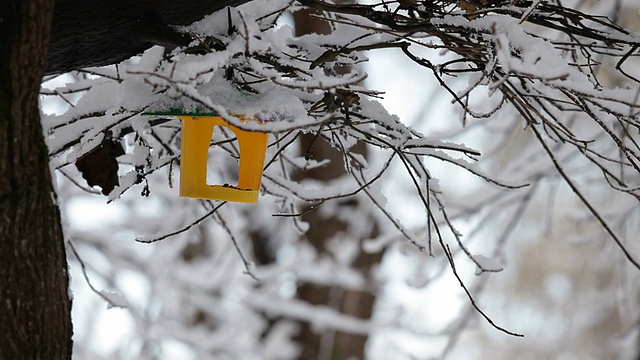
[
  {"x": 114, "y": 300},
  {"x": 276, "y": 105},
  {"x": 485, "y": 264},
  {"x": 417, "y": 174}
]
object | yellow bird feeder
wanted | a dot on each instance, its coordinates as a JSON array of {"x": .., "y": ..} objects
[{"x": 197, "y": 131}]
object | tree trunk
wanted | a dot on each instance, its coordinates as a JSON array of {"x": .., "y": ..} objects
[
  {"x": 333, "y": 345},
  {"x": 357, "y": 303},
  {"x": 35, "y": 309}
]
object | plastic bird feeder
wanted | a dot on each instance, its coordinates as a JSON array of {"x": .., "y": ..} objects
[{"x": 197, "y": 131}]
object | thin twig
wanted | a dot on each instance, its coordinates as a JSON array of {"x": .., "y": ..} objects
[
  {"x": 248, "y": 265},
  {"x": 447, "y": 251},
  {"x": 83, "y": 268}
]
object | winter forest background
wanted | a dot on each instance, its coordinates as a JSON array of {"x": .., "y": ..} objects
[{"x": 444, "y": 180}]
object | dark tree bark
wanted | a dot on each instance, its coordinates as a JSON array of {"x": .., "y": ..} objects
[
  {"x": 102, "y": 32},
  {"x": 35, "y": 309}
]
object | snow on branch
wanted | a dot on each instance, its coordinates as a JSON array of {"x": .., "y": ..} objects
[{"x": 546, "y": 70}]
